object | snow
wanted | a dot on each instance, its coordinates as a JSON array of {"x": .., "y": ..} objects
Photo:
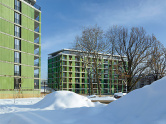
[
  {"x": 119, "y": 94},
  {"x": 96, "y": 98},
  {"x": 64, "y": 99},
  {"x": 142, "y": 106}
]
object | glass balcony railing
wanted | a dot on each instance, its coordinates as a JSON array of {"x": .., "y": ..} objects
[
  {"x": 16, "y": 60},
  {"x": 37, "y": 29},
  {"x": 36, "y": 63},
  {"x": 17, "y": 34},
  {"x": 33, "y": 4},
  {"x": 36, "y": 40},
  {"x": 36, "y": 52},
  {"x": 17, "y": 8},
  {"x": 17, "y": 47},
  {"x": 37, "y": 6},
  {"x": 37, "y": 18},
  {"x": 36, "y": 86},
  {"x": 17, "y": 21},
  {"x": 17, "y": 73},
  {"x": 36, "y": 75}
]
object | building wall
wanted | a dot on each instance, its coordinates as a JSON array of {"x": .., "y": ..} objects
[
  {"x": 66, "y": 72},
  {"x": 28, "y": 45}
]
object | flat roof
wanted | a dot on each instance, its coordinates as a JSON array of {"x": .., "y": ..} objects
[
  {"x": 31, "y": 0},
  {"x": 64, "y": 50},
  {"x": 78, "y": 51}
]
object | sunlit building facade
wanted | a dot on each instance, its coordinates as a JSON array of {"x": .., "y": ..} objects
[
  {"x": 20, "y": 44},
  {"x": 66, "y": 71}
]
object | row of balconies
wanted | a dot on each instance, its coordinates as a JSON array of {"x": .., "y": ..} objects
[
  {"x": 93, "y": 60},
  {"x": 18, "y": 73}
]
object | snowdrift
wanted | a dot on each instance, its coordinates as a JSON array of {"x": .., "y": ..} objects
[
  {"x": 63, "y": 99},
  {"x": 142, "y": 106}
]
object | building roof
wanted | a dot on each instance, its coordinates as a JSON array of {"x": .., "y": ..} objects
[
  {"x": 73, "y": 50},
  {"x": 64, "y": 50},
  {"x": 34, "y": 1}
]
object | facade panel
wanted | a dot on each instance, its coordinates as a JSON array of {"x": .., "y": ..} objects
[
  {"x": 20, "y": 35},
  {"x": 67, "y": 71}
]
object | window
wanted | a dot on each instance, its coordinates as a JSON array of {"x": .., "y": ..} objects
[
  {"x": 36, "y": 73},
  {"x": 17, "y": 18},
  {"x": 17, "y": 31},
  {"x": 105, "y": 76},
  {"x": 64, "y": 57},
  {"x": 17, "y": 83},
  {"x": 77, "y": 69},
  {"x": 106, "y": 71},
  {"x": 36, "y": 84},
  {"x": 17, "y": 57},
  {"x": 77, "y": 75},
  {"x": 17, "y": 44},
  {"x": 64, "y": 74},
  {"x": 17, "y": 70},
  {"x": 77, "y": 64},
  {"x": 17, "y": 5}
]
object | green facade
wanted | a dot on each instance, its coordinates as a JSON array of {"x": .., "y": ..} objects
[
  {"x": 28, "y": 49},
  {"x": 66, "y": 71}
]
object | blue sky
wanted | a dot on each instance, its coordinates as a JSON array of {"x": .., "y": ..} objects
[{"x": 62, "y": 20}]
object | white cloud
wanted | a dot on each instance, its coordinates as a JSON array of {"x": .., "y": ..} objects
[
  {"x": 104, "y": 14},
  {"x": 132, "y": 13},
  {"x": 58, "y": 41}
]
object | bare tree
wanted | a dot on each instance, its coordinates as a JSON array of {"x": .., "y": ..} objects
[
  {"x": 157, "y": 61},
  {"x": 91, "y": 45},
  {"x": 135, "y": 46}
]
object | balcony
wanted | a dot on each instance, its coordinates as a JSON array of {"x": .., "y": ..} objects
[
  {"x": 17, "y": 47},
  {"x": 17, "y": 34},
  {"x": 37, "y": 18},
  {"x": 36, "y": 75},
  {"x": 37, "y": 29},
  {"x": 17, "y": 21},
  {"x": 16, "y": 60},
  {"x": 17, "y": 8},
  {"x": 36, "y": 35},
  {"x": 36, "y": 52},
  {"x": 36, "y": 84},
  {"x": 36, "y": 40},
  {"x": 36, "y": 63},
  {"x": 33, "y": 3},
  {"x": 17, "y": 73}
]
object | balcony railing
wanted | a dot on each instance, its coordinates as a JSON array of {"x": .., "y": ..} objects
[
  {"x": 17, "y": 73},
  {"x": 36, "y": 40},
  {"x": 17, "y": 47},
  {"x": 17, "y": 8},
  {"x": 16, "y": 60},
  {"x": 36, "y": 63},
  {"x": 37, "y": 29},
  {"x": 33, "y": 4},
  {"x": 37, "y": 6},
  {"x": 17, "y": 34},
  {"x": 37, "y": 19},
  {"x": 36, "y": 86},
  {"x": 36, "y": 52},
  {"x": 36, "y": 75},
  {"x": 17, "y": 21}
]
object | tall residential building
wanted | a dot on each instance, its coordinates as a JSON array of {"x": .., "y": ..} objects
[
  {"x": 66, "y": 71},
  {"x": 20, "y": 44}
]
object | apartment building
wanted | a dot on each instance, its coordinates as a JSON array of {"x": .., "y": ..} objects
[
  {"x": 67, "y": 71},
  {"x": 20, "y": 46}
]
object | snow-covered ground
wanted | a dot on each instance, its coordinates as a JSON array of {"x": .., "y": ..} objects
[
  {"x": 96, "y": 98},
  {"x": 142, "y": 106}
]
